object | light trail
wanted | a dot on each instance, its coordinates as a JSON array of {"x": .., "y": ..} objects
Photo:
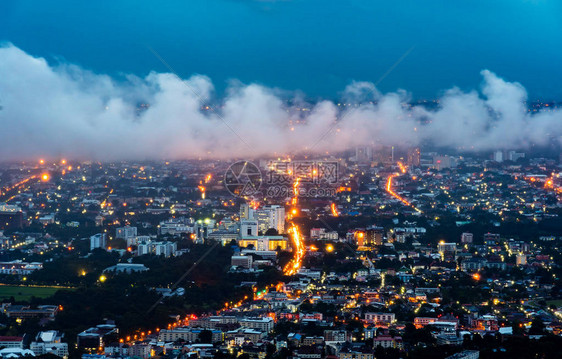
[
  {"x": 334, "y": 210},
  {"x": 295, "y": 199},
  {"x": 4, "y": 191},
  {"x": 202, "y": 189},
  {"x": 300, "y": 250},
  {"x": 396, "y": 195},
  {"x": 298, "y": 241},
  {"x": 403, "y": 168}
]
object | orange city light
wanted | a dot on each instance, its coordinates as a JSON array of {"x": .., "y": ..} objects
[{"x": 45, "y": 177}]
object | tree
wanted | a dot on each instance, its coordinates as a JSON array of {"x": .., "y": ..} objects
[
  {"x": 271, "y": 232},
  {"x": 537, "y": 327},
  {"x": 206, "y": 336}
]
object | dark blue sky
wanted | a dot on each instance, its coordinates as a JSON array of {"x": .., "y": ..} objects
[{"x": 314, "y": 46}]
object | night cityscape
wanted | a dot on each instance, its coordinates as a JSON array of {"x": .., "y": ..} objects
[{"x": 280, "y": 203}]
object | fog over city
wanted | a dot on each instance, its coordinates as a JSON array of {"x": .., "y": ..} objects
[{"x": 61, "y": 109}]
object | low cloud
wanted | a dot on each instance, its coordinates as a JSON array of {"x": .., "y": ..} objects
[{"x": 66, "y": 111}]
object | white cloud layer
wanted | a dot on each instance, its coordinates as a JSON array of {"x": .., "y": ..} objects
[{"x": 65, "y": 111}]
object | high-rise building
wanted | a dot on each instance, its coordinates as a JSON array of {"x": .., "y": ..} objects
[
  {"x": 126, "y": 232},
  {"x": 246, "y": 211},
  {"x": 98, "y": 241},
  {"x": 372, "y": 236},
  {"x": 248, "y": 227},
  {"x": 363, "y": 154},
  {"x": 166, "y": 249},
  {"x": 498, "y": 156},
  {"x": 270, "y": 217},
  {"x": 203, "y": 228},
  {"x": 514, "y": 156},
  {"x": 444, "y": 162},
  {"x": 414, "y": 156},
  {"x": 447, "y": 250}
]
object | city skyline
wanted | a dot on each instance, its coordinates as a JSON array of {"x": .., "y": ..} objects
[{"x": 281, "y": 179}]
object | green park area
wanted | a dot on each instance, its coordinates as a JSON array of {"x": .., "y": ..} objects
[{"x": 24, "y": 293}]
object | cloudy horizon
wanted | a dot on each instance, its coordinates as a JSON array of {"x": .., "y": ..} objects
[{"x": 63, "y": 110}]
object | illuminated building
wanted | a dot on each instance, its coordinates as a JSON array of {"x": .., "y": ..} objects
[
  {"x": 264, "y": 243},
  {"x": 246, "y": 211},
  {"x": 340, "y": 336},
  {"x": 10, "y": 217},
  {"x": 486, "y": 322},
  {"x": 521, "y": 260},
  {"x": 95, "y": 338},
  {"x": 262, "y": 324},
  {"x": 49, "y": 342},
  {"x": 380, "y": 318},
  {"x": 248, "y": 227},
  {"x": 126, "y": 232},
  {"x": 270, "y": 217},
  {"x": 373, "y": 236},
  {"x": 203, "y": 228},
  {"x": 190, "y": 335},
  {"x": 447, "y": 250},
  {"x": 388, "y": 342},
  {"x": 175, "y": 226},
  {"x": 18, "y": 267}
]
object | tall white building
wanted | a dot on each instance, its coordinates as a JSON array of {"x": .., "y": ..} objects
[
  {"x": 49, "y": 342},
  {"x": 126, "y": 232},
  {"x": 248, "y": 227},
  {"x": 203, "y": 228},
  {"x": 98, "y": 241},
  {"x": 246, "y": 211},
  {"x": 143, "y": 248},
  {"x": 270, "y": 217},
  {"x": 166, "y": 249},
  {"x": 514, "y": 155}
]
